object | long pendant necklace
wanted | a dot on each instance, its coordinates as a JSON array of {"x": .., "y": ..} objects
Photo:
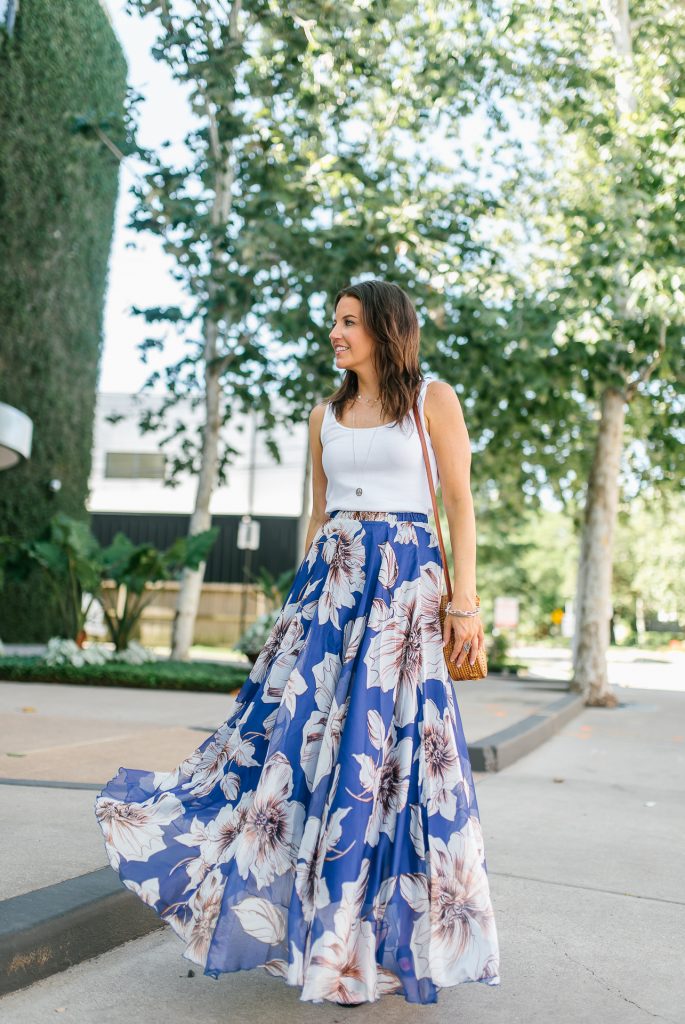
[{"x": 359, "y": 491}]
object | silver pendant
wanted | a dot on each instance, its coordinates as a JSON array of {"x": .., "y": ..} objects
[{"x": 358, "y": 491}]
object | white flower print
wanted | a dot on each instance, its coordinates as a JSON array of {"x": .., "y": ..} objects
[
  {"x": 294, "y": 688},
  {"x": 230, "y": 785},
  {"x": 135, "y": 830},
  {"x": 179, "y": 921},
  {"x": 406, "y": 532},
  {"x": 205, "y": 905},
  {"x": 323, "y": 729},
  {"x": 310, "y": 886},
  {"x": 224, "y": 829},
  {"x": 282, "y": 666},
  {"x": 389, "y": 570},
  {"x": 342, "y": 965},
  {"x": 293, "y": 972},
  {"x": 165, "y": 780},
  {"x": 352, "y": 636},
  {"x": 455, "y": 927},
  {"x": 345, "y": 555},
  {"x": 380, "y": 612},
  {"x": 197, "y": 868},
  {"x": 416, "y": 831},
  {"x": 326, "y": 673},
  {"x": 383, "y": 897},
  {"x": 267, "y": 844},
  {"x": 386, "y": 782},
  {"x": 461, "y": 912},
  {"x": 474, "y": 833},
  {"x": 214, "y": 840},
  {"x": 394, "y": 659},
  {"x": 261, "y": 919},
  {"x": 205, "y": 766},
  {"x": 270, "y": 721},
  {"x": 148, "y": 891},
  {"x": 439, "y": 766},
  {"x": 316, "y": 842},
  {"x": 433, "y": 652},
  {"x": 313, "y": 547},
  {"x": 281, "y": 647},
  {"x": 320, "y": 741},
  {"x": 279, "y": 968},
  {"x": 432, "y": 535}
]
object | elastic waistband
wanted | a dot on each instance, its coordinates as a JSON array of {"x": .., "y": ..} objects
[{"x": 396, "y": 517}]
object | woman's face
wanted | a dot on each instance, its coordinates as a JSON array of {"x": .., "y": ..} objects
[{"x": 352, "y": 346}]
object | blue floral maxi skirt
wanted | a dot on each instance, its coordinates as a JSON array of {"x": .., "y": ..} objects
[{"x": 328, "y": 831}]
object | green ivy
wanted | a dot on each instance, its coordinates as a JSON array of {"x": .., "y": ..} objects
[{"x": 58, "y": 189}]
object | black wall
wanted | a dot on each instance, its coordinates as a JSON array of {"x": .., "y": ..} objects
[{"x": 277, "y": 550}]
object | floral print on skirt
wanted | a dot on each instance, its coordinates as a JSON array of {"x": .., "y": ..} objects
[{"x": 328, "y": 831}]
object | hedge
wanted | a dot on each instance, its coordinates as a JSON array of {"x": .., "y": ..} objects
[
  {"x": 155, "y": 675},
  {"x": 58, "y": 191}
]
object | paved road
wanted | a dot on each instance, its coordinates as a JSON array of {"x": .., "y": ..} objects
[
  {"x": 584, "y": 850},
  {"x": 628, "y": 667}
]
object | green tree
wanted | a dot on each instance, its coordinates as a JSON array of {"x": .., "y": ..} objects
[
  {"x": 650, "y": 554},
  {"x": 309, "y": 165},
  {"x": 57, "y": 195},
  {"x": 588, "y": 364}
]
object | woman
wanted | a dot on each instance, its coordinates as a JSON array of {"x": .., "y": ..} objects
[{"x": 329, "y": 831}]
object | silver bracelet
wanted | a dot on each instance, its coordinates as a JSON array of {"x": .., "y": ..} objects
[{"x": 449, "y": 610}]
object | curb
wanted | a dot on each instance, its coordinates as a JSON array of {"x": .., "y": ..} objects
[
  {"x": 500, "y": 749},
  {"x": 50, "y": 929}
]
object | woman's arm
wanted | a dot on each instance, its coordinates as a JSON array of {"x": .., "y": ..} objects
[
  {"x": 319, "y": 480},
  {"x": 450, "y": 440}
]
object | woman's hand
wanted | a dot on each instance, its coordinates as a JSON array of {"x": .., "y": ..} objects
[{"x": 463, "y": 628}]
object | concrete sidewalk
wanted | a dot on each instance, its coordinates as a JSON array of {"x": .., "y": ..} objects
[
  {"x": 584, "y": 852},
  {"x": 60, "y": 743}
]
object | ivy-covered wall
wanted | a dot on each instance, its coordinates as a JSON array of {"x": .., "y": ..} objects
[{"x": 58, "y": 191}]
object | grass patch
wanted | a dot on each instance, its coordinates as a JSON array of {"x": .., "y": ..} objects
[{"x": 153, "y": 675}]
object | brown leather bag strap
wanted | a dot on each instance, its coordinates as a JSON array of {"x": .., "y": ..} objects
[{"x": 429, "y": 473}]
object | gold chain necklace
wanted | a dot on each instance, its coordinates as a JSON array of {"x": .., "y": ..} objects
[{"x": 369, "y": 401}]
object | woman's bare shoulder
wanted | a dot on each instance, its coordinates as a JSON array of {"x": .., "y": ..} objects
[
  {"x": 441, "y": 401},
  {"x": 317, "y": 411}
]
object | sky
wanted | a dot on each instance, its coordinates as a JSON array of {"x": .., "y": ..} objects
[{"x": 139, "y": 273}]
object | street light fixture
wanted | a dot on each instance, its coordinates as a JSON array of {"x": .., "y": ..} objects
[{"x": 16, "y": 432}]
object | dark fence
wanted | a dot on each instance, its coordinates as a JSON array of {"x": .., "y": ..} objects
[{"x": 277, "y": 550}]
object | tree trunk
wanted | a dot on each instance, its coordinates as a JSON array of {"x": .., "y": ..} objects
[
  {"x": 191, "y": 581},
  {"x": 593, "y": 592},
  {"x": 190, "y": 590}
]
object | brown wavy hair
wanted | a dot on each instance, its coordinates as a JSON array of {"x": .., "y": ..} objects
[{"x": 388, "y": 315}]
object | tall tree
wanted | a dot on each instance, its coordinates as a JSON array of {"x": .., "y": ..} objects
[
  {"x": 588, "y": 357},
  {"x": 59, "y": 63},
  {"x": 308, "y": 166}
]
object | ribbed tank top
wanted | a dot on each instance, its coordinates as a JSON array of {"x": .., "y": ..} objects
[{"x": 390, "y": 467}]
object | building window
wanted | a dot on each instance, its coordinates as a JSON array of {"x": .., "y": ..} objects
[{"x": 134, "y": 465}]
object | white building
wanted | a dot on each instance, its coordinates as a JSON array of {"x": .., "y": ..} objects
[{"x": 129, "y": 467}]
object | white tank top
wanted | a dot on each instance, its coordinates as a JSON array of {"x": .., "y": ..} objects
[{"x": 389, "y": 465}]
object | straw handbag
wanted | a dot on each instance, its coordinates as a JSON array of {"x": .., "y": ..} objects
[{"x": 479, "y": 669}]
